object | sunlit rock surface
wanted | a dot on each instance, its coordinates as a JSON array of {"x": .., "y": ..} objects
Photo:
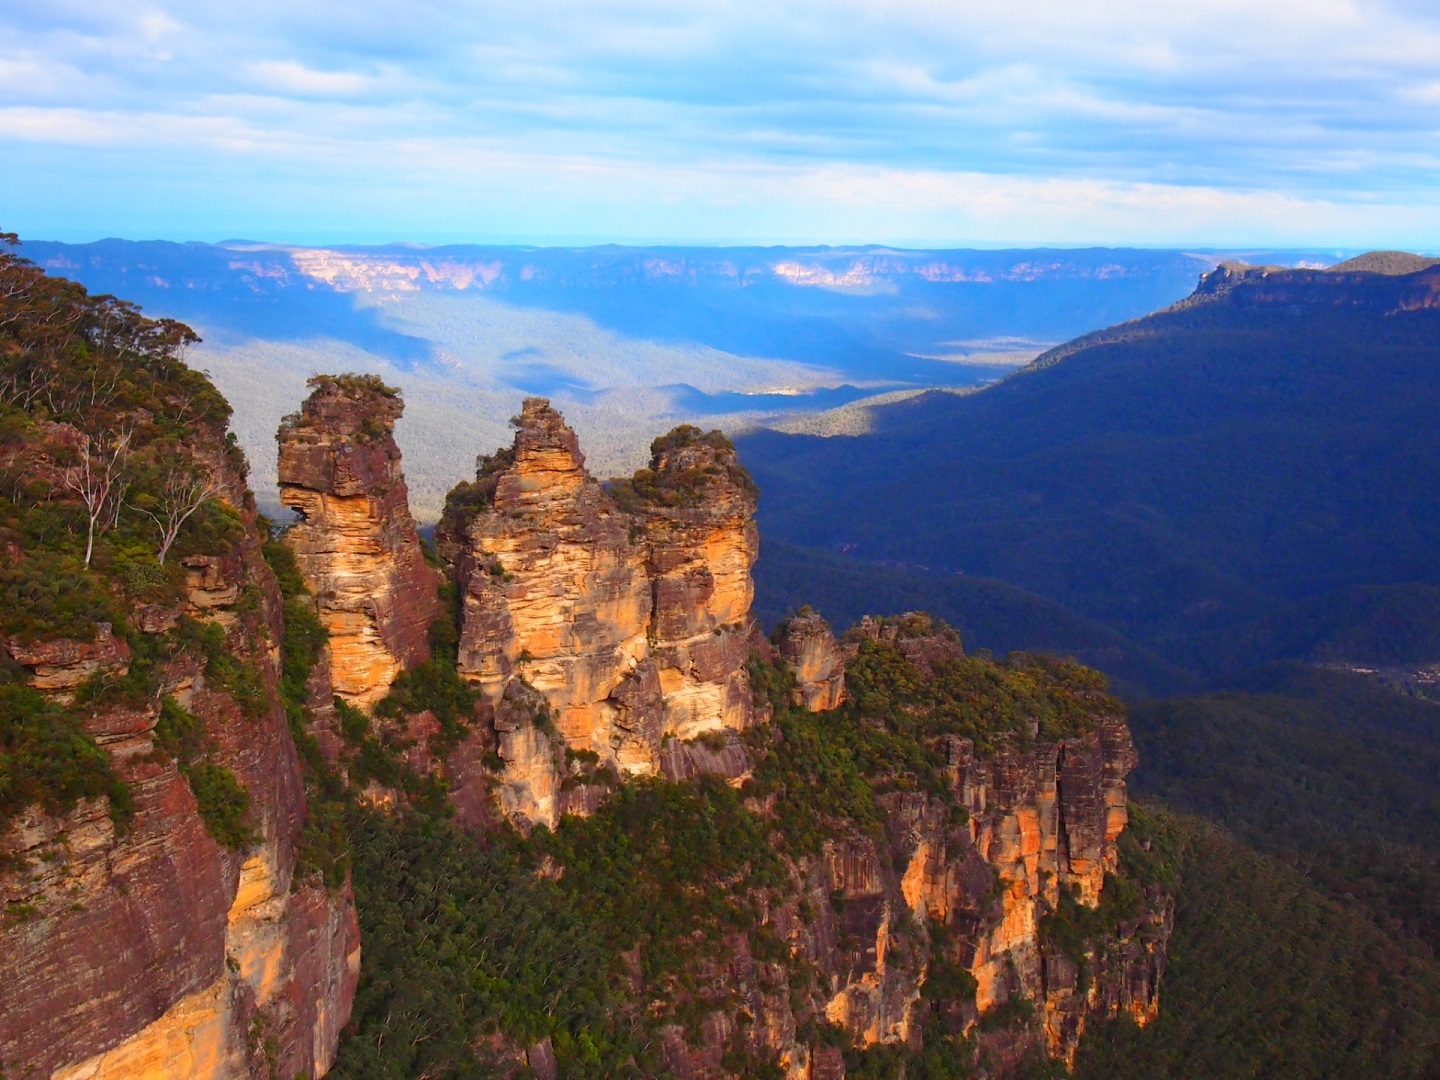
[{"x": 356, "y": 544}]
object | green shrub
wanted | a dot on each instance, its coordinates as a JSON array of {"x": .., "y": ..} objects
[
  {"x": 223, "y": 802},
  {"x": 50, "y": 594},
  {"x": 46, "y": 757}
]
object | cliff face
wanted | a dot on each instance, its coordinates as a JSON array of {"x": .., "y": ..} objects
[
  {"x": 809, "y": 648},
  {"x": 696, "y": 511},
  {"x": 139, "y": 945},
  {"x": 632, "y": 623},
  {"x": 978, "y": 877},
  {"x": 356, "y": 546},
  {"x": 1043, "y": 824}
]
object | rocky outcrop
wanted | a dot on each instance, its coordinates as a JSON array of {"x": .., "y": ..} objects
[
  {"x": 974, "y": 879},
  {"x": 555, "y": 593},
  {"x": 695, "y": 507},
  {"x": 630, "y": 618},
  {"x": 356, "y": 544},
  {"x": 1039, "y": 829},
  {"x": 58, "y": 666},
  {"x": 817, "y": 660},
  {"x": 138, "y": 945}
]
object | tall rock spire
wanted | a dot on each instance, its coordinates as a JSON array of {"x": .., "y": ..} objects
[
  {"x": 356, "y": 544},
  {"x": 695, "y": 507},
  {"x": 554, "y": 591}
]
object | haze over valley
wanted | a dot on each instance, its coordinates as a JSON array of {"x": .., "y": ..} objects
[{"x": 626, "y": 340}]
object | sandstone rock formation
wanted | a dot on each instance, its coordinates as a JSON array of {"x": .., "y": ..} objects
[
  {"x": 144, "y": 947},
  {"x": 631, "y": 622},
  {"x": 964, "y": 879},
  {"x": 356, "y": 544},
  {"x": 809, "y": 648},
  {"x": 1039, "y": 821},
  {"x": 555, "y": 593},
  {"x": 57, "y": 667},
  {"x": 695, "y": 506}
]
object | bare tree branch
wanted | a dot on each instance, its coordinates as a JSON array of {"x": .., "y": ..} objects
[
  {"x": 185, "y": 491},
  {"x": 99, "y": 481}
]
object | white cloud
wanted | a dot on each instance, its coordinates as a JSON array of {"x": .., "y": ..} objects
[
  {"x": 1267, "y": 112},
  {"x": 287, "y": 76}
]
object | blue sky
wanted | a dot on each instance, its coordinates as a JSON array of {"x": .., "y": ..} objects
[{"x": 1204, "y": 123}]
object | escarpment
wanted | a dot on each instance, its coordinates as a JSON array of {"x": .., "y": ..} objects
[
  {"x": 762, "y": 858},
  {"x": 987, "y": 907},
  {"x": 356, "y": 545},
  {"x": 158, "y": 920}
]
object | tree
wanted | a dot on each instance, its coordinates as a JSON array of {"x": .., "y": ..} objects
[
  {"x": 99, "y": 481},
  {"x": 184, "y": 491}
]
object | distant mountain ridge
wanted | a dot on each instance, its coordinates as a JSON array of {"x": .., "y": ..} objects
[
  {"x": 625, "y": 340},
  {"x": 1247, "y": 475}
]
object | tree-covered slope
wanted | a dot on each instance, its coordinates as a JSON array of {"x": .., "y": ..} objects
[
  {"x": 1270, "y": 977},
  {"x": 1212, "y": 482}
]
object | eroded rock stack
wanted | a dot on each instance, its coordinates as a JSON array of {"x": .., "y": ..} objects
[
  {"x": 630, "y": 617},
  {"x": 356, "y": 544},
  {"x": 695, "y": 507},
  {"x": 817, "y": 660},
  {"x": 555, "y": 593}
]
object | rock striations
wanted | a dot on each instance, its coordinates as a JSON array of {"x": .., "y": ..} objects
[
  {"x": 695, "y": 508},
  {"x": 1038, "y": 828},
  {"x": 355, "y": 544},
  {"x": 554, "y": 593},
  {"x": 628, "y": 614},
  {"x": 814, "y": 656},
  {"x": 139, "y": 945}
]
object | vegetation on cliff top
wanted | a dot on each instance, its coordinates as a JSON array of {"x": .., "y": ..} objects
[
  {"x": 470, "y": 498},
  {"x": 112, "y": 457},
  {"x": 665, "y": 484},
  {"x": 351, "y": 387},
  {"x": 890, "y": 733}
]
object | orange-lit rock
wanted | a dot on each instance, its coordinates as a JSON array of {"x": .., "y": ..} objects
[
  {"x": 816, "y": 658},
  {"x": 555, "y": 592},
  {"x": 630, "y": 618},
  {"x": 695, "y": 506},
  {"x": 356, "y": 544}
]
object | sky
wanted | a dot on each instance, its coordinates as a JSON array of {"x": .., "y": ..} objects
[{"x": 1205, "y": 123}]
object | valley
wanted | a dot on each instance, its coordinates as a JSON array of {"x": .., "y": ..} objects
[{"x": 669, "y": 775}]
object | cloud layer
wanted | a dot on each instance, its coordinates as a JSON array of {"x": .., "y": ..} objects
[{"x": 1227, "y": 122}]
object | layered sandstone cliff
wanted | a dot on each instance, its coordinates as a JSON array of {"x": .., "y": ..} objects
[
  {"x": 631, "y": 622},
  {"x": 816, "y": 659},
  {"x": 971, "y": 878},
  {"x": 356, "y": 544},
  {"x": 139, "y": 945}
]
